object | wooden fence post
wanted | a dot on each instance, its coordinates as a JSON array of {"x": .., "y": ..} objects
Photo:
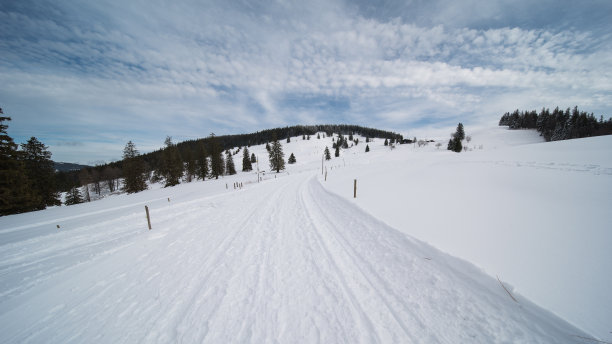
[
  {"x": 355, "y": 189},
  {"x": 148, "y": 218}
]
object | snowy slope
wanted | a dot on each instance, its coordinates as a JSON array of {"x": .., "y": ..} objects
[
  {"x": 536, "y": 214},
  {"x": 283, "y": 260}
]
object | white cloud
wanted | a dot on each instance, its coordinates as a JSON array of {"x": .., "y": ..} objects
[{"x": 196, "y": 67}]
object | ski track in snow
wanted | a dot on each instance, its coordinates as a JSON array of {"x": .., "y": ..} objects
[{"x": 286, "y": 261}]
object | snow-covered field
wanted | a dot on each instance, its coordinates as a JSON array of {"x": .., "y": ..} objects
[{"x": 295, "y": 258}]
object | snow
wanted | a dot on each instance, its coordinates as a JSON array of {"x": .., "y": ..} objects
[{"x": 295, "y": 258}]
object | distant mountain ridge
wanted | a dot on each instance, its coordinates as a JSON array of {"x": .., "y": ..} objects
[{"x": 67, "y": 166}]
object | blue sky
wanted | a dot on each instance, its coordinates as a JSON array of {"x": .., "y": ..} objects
[{"x": 85, "y": 77}]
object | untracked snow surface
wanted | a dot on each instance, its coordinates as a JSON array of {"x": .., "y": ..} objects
[{"x": 292, "y": 259}]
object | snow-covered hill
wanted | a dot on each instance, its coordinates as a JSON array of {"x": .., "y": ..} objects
[{"x": 295, "y": 258}]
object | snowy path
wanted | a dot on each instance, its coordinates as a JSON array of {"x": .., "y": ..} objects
[{"x": 283, "y": 261}]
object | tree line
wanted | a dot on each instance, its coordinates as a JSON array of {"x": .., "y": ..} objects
[
  {"x": 558, "y": 124},
  {"x": 27, "y": 175},
  {"x": 189, "y": 151},
  {"x": 29, "y": 180}
]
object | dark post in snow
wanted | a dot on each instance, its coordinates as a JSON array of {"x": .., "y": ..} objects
[
  {"x": 148, "y": 218},
  {"x": 355, "y": 189}
]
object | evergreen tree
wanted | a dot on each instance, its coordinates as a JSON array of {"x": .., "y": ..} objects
[
  {"x": 345, "y": 144},
  {"x": 229, "y": 164},
  {"x": 268, "y": 147},
  {"x": 202, "y": 161},
  {"x": 337, "y": 153},
  {"x": 277, "y": 161},
  {"x": 73, "y": 196},
  {"x": 327, "y": 154},
  {"x": 217, "y": 165},
  {"x": 173, "y": 164},
  {"x": 291, "y": 159},
  {"x": 460, "y": 133},
  {"x": 253, "y": 159},
  {"x": 16, "y": 195},
  {"x": 458, "y": 146},
  {"x": 367, "y": 148},
  {"x": 454, "y": 144},
  {"x": 40, "y": 171},
  {"x": 386, "y": 142},
  {"x": 134, "y": 178},
  {"x": 191, "y": 166},
  {"x": 318, "y": 136},
  {"x": 288, "y": 139},
  {"x": 451, "y": 144},
  {"x": 303, "y": 137},
  {"x": 246, "y": 161}
]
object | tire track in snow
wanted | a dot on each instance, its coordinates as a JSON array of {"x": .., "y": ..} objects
[
  {"x": 365, "y": 281},
  {"x": 359, "y": 312}
]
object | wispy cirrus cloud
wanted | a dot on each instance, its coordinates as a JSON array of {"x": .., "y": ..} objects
[{"x": 106, "y": 72}]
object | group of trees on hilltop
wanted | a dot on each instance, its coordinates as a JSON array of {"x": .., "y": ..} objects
[
  {"x": 558, "y": 124},
  {"x": 30, "y": 182},
  {"x": 27, "y": 175}
]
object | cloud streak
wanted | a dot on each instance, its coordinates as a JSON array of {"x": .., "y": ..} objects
[{"x": 111, "y": 72}]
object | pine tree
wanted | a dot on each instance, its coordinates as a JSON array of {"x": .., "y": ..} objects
[
  {"x": 291, "y": 159},
  {"x": 460, "y": 133},
  {"x": 277, "y": 161},
  {"x": 268, "y": 147},
  {"x": 40, "y": 171},
  {"x": 318, "y": 136},
  {"x": 386, "y": 142},
  {"x": 327, "y": 154},
  {"x": 217, "y": 165},
  {"x": 253, "y": 159},
  {"x": 230, "y": 169},
  {"x": 73, "y": 196},
  {"x": 303, "y": 137},
  {"x": 16, "y": 195},
  {"x": 454, "y": 144},
  {"x": 172, "y": 164},
  {"x": 202, "y": 161},
  {"x": 134, "y": 178},
  {"x": 337, "y": 153},
  {"x": 367, "y": 148},
  {"x": 288, "y": 139},
  {"x": 191, "y": 166},
  {"x": 458, "y": 146},
  {"x": 451, "y": 144},
  {"x": 246, "y": 161}
]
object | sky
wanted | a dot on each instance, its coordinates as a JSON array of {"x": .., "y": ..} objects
[{"x": 86, "y": 77}]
